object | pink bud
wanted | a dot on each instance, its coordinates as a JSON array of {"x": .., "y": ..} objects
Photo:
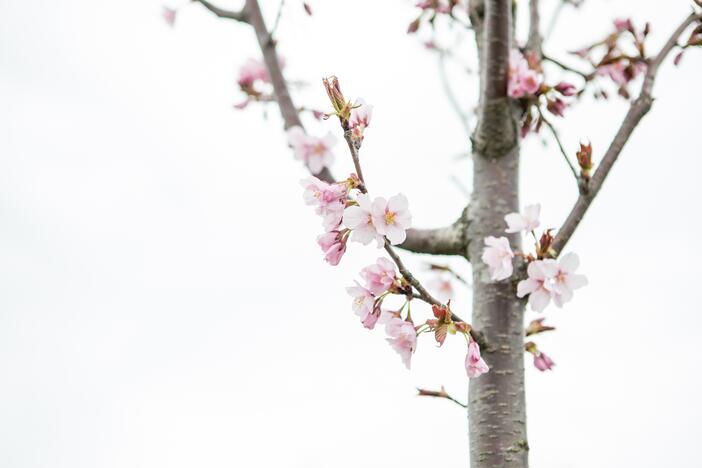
[
  {"x": 333, "y": 244},
  {"x": 543, "y": 362},
  {"x": 623, "y": 24},
  {"x": 565, "y": 88},
  {"x": 677, "y": 59},
  {"x": 556, "y": 106}
]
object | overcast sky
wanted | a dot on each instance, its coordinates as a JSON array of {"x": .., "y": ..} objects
[{"x": 163, "y": 302}]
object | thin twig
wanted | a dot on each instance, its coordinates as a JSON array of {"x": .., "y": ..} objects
[
  {"x": 439, "y": 394},
  {"x": 639, "y": 108},
  {"x": 222, "y": 13},
  {"x": 277, "y": 20},
  {"x": 560, "y": 145},
  {"x": 563, "y": 66}
]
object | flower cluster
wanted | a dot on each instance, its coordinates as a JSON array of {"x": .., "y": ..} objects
[
  {"x": 349, "y": 213},
  {"x": 522, "y": 78},
  {"x": 526, "y": 83},
  {"x": 314, "y": 151},
  {"x": 329, "y": 201},
  {"x": 548, "y": 279},
  {"x": 620, "y": 56},
  {"x": 380, "y": 281}
]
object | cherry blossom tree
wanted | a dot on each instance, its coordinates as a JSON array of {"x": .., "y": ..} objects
[{"x": 516, "y": 265}]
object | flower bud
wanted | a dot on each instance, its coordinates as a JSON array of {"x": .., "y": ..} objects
[
  {"x": 342, "y": 108},
  {"x": 584, "y": 156},
  {"x": 565, "y": 88}
]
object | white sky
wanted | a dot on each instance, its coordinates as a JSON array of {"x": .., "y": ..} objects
[{"x": 162, "y": 299}]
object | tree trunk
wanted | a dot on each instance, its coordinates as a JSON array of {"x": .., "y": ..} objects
[{"x": 496, "y": 406}]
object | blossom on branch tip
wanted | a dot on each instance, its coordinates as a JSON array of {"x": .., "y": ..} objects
[
  {"x": 315, "y": 152},
  {"x": 402, "y": 338},
  {"x": 498, "y": 257},
  {"x": 526, "y": 221},
  {"x": 380, "y": 276},
  {"x": 522, "y": 80},
  {"x": 392, "y": 218},
  {"x": 475, "y": 365},
  {"x": 359, "y": 218}
]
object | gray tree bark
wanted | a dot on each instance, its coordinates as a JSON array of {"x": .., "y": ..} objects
[{"x": 496, "y": 403}]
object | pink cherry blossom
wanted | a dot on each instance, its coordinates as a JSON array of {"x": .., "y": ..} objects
[
  {"x": 522, "y": 80},
  {"x": 526, "y": 221},
  {"x": 621, "y": 71},
  {"x": 402, "y": 338},
  {"x": 380, "y": 276},
  {"x": 360, "y": 219},
  {"x": 475, "y": 365},
  {"x": 169, "y": 15},
  {"x": 392, "y": 218},
  {"x": 333, "y": 245},
  {"x": 538, "y": 285},
  {"x": 363, "y": 305},
  {"x": 360, "y": 115},
  {"x": 251, "y": 71},
  {"x": 543, "y": 362},
  {"x": 314, "y": 151},
  {"x": 329, "y": 200},
  {"x": 565, "y": 281},
  {"x": 498, "y": 257}
]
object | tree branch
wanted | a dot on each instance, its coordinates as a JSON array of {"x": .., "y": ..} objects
[
  {"x": 449, "y": 240},
  {"x": 418, "y": 240},
  {"x": 439, "y": 394},
  {"x": 422, "y": 293},
  {"x": 535, "y": 41},
  {"x": 222, "y": 13},
  {"x": 639, "y": 108},
  {"x": 563, "y": 66}
]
